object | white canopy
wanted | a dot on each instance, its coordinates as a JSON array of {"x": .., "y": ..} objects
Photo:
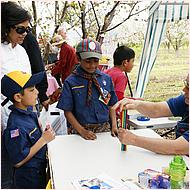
[{"x": 160, "y": 12}]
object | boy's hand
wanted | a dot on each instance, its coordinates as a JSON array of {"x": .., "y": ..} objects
[
  {"x": 88, "y": 135},
  {"x": 114, "y": 131},
  {"x": 48, "y": 135}
]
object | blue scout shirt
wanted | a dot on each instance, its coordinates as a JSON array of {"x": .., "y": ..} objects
[
  {"x": 74, "y": 96},
  {"x": 21, "y": 134},
  {"x": 178, "y": 107}
]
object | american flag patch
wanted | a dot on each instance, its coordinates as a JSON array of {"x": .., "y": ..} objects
[{"x": 14, "y": 133}]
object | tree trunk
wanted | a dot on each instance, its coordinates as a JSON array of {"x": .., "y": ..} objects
[
  {"x": 46, "y": 53},
  {"x": 84, "y": 35},
  {"x": 107, "y": 21},
  {"x": 57, "y": 24},
  {"x": 56, "y": 10},
  {"x": 35, "y": 18},
  {"x": 83, "y": 15}
]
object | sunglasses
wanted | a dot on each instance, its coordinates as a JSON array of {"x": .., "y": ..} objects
[
  {"x": 21, "y": 29},
  {"x": 186, "y": 83}
]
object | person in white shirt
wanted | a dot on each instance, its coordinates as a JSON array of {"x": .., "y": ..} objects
[{"x": 14, "y": 28}]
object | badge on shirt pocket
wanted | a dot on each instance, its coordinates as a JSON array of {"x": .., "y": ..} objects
[{"x": 106, "y": 95}]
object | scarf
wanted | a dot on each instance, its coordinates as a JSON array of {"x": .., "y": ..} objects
[{"x": 91, "y": 79}]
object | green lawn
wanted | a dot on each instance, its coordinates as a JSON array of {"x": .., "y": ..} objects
[{"x": 166, "y": 78}]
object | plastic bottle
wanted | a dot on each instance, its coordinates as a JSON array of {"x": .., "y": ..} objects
[{"x": 177, "y": 172}]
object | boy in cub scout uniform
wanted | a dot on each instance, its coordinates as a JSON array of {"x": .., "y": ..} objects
[
  {"x": 88, "y": 94},
  {"x": 23, "y": 138}
]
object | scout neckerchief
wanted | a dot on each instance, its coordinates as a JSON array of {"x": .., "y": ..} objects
[{"x": 91, "y": 78}]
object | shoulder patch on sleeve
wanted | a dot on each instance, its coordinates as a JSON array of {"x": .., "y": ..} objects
[{"x": 14, "y": 133}]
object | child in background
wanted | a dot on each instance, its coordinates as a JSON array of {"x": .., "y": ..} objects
[
  {"x": 123, "y": 62},
  {"x": 23, "y": 138},
  {"x": 88, "y": 94},
  {"x": 104, "y": 63}
]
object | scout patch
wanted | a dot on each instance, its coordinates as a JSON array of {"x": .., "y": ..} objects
[
  {"x": 106, "y": 95},
  {"x": 104, "y": 82},
  {"x": 92, "y": 45},
  {"x": 14, "y": 133}
]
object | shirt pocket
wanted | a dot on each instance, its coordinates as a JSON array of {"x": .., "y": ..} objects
[
  {"x": 79, "y": 95},
  {"x": 78, "y": 90}
]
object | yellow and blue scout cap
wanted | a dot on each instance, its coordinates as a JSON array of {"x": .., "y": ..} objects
[
  {"x": 89, "y": 48},
  {"x": 16, "y": 81},
  {"x": 104, "y": 59}
]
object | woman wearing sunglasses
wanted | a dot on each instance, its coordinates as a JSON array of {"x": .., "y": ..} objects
[{"x": 14, "y": 28}]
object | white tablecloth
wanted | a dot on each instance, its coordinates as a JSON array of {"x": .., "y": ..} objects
[
  {"x": 153, "y": 123},
  {"x": 72, "y": 157}
]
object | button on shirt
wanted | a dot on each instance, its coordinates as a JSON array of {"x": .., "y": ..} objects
[
  {"x": 21, "y": 134},
  {"x": 179, "y": 108},
  {"x": 12, "y": 59},
  {"x": 74, "y": 96}
]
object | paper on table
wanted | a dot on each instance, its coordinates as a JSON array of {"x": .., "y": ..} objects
[
  {"x": 102, "y": 181},
  {"x": 131, "y": 184}
]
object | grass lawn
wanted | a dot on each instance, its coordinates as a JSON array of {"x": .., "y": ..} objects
[{"x": 166, "y": 77}]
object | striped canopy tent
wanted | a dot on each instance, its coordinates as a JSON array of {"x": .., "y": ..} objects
[{"x": 160, "y": 12}]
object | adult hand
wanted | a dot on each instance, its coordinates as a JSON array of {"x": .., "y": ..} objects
[
  {"x": 50, "y": 66},
  {"x": 126, "y": 103},
  {"x": 88, "y": 135},
  {"x": 126, "y": 137},
  {"x": 45, "y": 104}
]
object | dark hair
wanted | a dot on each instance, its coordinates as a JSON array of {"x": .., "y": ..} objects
[
  {"x": 123, "y": 53},
  {"x": 21, "y": 92},
  {"x": 11, "y": 15}
]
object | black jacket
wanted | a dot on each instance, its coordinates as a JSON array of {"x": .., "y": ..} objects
[{"x": 31, "y": 46}]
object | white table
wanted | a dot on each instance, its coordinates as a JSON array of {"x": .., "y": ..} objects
[
  {"x": 153, "y": 123},
  {"x": 71, "y": 157}
]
